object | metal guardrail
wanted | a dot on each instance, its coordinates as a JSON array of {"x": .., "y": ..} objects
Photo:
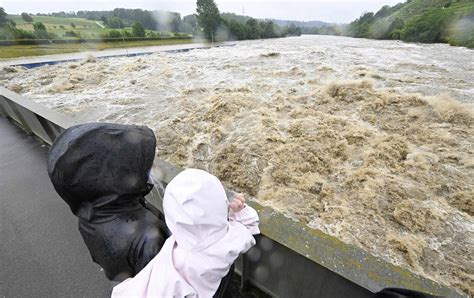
[{"x": 289, "y": 260}]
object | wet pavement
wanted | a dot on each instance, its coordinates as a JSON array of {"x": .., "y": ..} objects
[{"x": 42, "y": 252}]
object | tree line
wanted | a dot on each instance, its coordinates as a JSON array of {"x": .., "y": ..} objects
[
  {"x": 226, "y": 25},
  {"x": 217, "y": 26},
  {"x": 9, "y": 31},
  {"x": 120, "y": 18},
  {"x": 207, "y": 22}
]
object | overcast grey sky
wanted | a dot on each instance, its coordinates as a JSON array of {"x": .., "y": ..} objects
[{"x": 335, "y": 11}]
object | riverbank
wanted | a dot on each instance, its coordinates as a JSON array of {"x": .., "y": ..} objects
[{"x": 14, "y": 51}]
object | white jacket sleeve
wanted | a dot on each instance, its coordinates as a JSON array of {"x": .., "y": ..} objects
[{"x": 247, "y": 217}]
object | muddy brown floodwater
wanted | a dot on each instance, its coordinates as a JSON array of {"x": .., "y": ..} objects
[{"x": 369, "y": 141}]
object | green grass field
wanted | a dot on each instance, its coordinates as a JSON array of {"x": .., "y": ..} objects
[
  {"x": 54, "y": 21},
  {"x": 15, "y": 51},
  {"x": 86, "y": 28},
  {"x": 58, "y": 26}
]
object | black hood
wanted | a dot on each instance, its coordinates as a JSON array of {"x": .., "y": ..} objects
[{"x": 100, "y": 169}]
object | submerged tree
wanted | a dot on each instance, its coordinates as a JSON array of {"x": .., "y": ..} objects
[{"x": 208, "y": 17}]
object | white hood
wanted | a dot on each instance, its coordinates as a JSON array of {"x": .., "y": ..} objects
[
  {"x": 195, "y": 207},
  {"x": 203, "y": 245}
]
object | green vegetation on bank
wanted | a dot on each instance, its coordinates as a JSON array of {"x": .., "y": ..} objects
[
  {"x": 127, "y": 24},
  {"x": 14, "y": 51},
  {"x": 32, "y": 35},
  {"x": 427, "y": 21},
  {"x": 16, "y": 28}
]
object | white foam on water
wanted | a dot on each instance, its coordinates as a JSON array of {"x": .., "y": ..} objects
[{"x": 369, "y": 141}]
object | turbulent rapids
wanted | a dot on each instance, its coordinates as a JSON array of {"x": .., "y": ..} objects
[{"x": 369, "y": 141}]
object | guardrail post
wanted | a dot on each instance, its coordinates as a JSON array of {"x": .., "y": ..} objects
[
  {"x": 13, "y": 111},
  {"x": 245, "y": 271}
]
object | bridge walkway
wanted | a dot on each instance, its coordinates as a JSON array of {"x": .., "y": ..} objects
[{"x": 42, "y": 252}]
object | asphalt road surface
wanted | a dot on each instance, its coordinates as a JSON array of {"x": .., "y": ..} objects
[{"x": 42, "y": 252}]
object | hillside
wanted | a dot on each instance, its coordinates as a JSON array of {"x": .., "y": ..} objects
[
  {"x": 21, "y": 36},
  {"x": 429, "y": 21},
  {"x": 70, "y": 26},
  {"x": 418, "y": 7},
  {"x": 51, "y": 21},
  {"x": 58, "y": 25}
]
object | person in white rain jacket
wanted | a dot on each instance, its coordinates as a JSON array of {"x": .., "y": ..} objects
[{"x": 208, "y": 234}]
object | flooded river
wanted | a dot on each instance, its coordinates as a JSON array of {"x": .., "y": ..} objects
[{"x": 369, "y": 141}]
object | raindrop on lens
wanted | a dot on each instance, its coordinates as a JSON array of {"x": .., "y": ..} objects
[
  {"x": 276, "y": 260},
  {"x": 254, "y": 254},
  {"x": 261, "y": 273},
  {"x": 132, "y": 137},
  {"x": 130, "y": 180},
  {"x": 266, "y": 244}
]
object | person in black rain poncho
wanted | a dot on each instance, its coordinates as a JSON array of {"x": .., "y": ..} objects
[{"x": 102, "y": 171}]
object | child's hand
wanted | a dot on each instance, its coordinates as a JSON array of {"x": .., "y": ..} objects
[{"x": 238, "y": 203}]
